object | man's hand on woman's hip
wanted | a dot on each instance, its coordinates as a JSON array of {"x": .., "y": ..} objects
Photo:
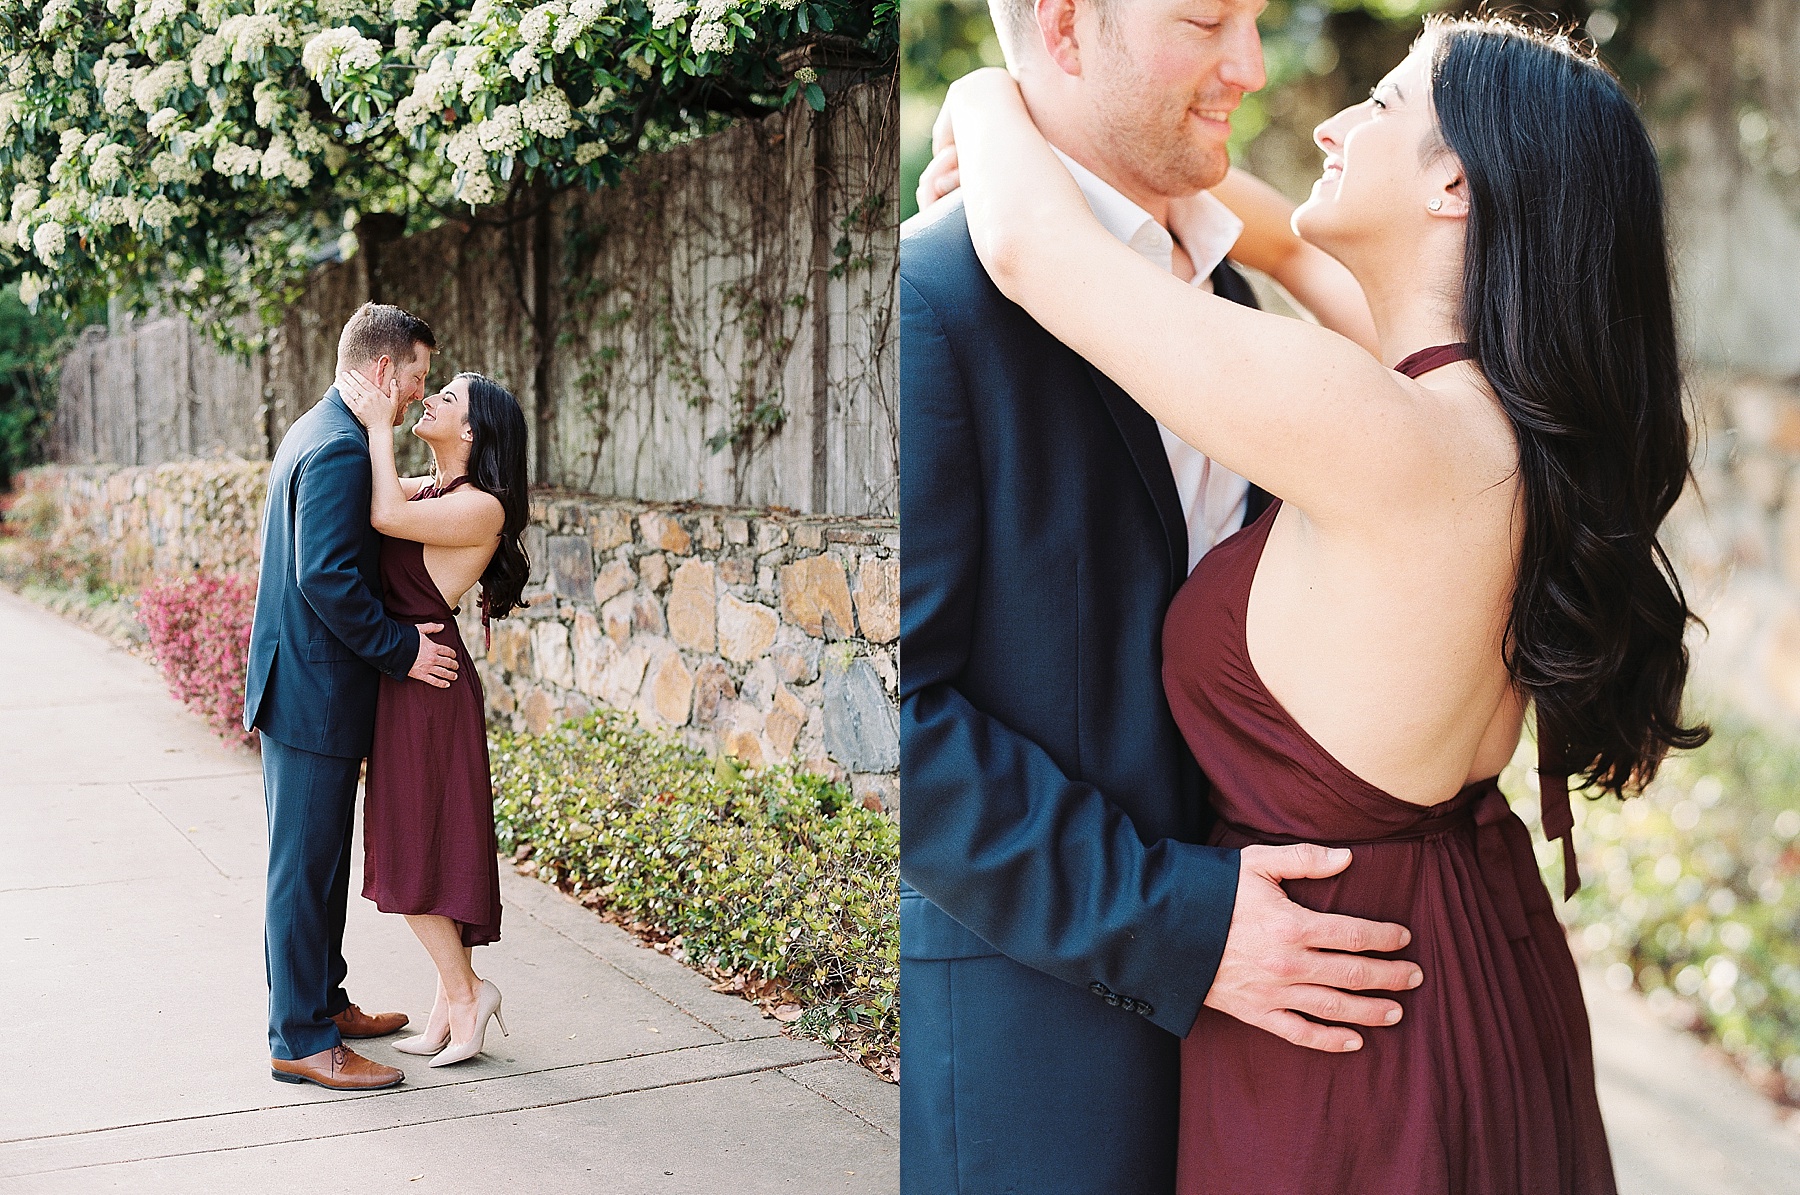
[
  {"x": 1281, "y": 959},
  {"x": 436, "y": 664}
]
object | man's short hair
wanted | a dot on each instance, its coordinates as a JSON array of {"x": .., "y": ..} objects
[
  {"x": 1015, "y": 21},
  {"x": 377, "y": 330}
]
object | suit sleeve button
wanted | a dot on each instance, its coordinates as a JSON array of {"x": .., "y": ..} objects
[{"x": 1098, "y": 988}]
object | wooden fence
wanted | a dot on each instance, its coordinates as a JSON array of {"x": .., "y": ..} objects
[{"x": 720, "y": 328}]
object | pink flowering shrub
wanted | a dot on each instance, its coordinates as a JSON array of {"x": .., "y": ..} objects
[{"x": 199, "y": 630}]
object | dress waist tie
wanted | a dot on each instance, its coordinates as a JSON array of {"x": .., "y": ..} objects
[
  {"x": 1502, "y": 849},
  {"x": 1553, "y": 795}
]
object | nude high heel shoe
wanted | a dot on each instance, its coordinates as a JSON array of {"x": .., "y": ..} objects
[
  {"x": 421, "y": 1044},
  {"x": 486, "y": 1005}
]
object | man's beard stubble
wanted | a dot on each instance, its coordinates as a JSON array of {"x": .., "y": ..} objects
[{"x": 1148, "y": 133}]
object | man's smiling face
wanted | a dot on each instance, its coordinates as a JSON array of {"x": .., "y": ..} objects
[{"x": 1165, "y": 77}]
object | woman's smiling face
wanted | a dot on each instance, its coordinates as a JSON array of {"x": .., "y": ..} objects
[
  {"x": 446, "y": 415},
  {"x": 1378, "y": 168}
]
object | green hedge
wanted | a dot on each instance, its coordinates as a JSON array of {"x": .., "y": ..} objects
[
  {"x": 774, "y": 875},
  {"x": 1692, "y": 895}
]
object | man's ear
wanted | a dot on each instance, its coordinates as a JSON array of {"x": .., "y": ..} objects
[{"x": 1056, "y": 30}]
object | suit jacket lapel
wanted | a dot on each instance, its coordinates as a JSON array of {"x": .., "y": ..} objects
[{"x": 1145, "y": 442}]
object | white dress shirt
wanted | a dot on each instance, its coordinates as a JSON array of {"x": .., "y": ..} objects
[{"x": 1213, "y": 498}]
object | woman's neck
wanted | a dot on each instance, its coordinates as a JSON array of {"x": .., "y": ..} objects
[
  {"x": 448, "y": 466},
  {"x": 1410, "y": 316}
]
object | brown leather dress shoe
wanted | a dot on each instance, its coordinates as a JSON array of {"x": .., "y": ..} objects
[
  {"x": 354, "y": 1022},
  {"x": 339, "y": 1068}
]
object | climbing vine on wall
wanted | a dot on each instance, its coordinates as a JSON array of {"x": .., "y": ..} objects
[
  {"x": 704, "y": 333},
  {"x": 724, "y": 328}
]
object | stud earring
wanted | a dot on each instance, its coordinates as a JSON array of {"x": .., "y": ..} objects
[{"x": 1435, "y": 205}]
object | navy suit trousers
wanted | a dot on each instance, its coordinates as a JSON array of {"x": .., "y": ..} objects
[{"x": 312, "y": 806}]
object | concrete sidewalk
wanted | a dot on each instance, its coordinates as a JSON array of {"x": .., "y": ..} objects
[
  {"x": 132, "y": 1036},
  {"x": 1680, "y": 1121}
]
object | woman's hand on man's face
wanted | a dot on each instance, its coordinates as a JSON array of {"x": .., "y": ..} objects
[{"x": 373, "y": 406}]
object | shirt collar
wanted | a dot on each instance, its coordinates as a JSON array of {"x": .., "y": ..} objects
[{"x": 1207, "y": 228}]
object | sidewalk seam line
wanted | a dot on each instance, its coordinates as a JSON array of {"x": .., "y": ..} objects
[
  {"x": 836, "y": 1103},
  {"x": 142, "y": 796},
  {"x": 89, "y": 884},
  {"x": 580, "y": 1099},
  {"x": 349, "y": 1097}
]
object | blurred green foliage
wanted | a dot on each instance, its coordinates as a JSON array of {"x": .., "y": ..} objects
[
  {"x": 772, "y": 875},
  {"x": 31, "y": 345},
  {"x": 1691, "y": 894}
]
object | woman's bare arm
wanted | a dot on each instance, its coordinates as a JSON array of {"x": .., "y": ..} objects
[
  {"x": 1317, "y": 281},
  {"x": 1302, "y": 411}
]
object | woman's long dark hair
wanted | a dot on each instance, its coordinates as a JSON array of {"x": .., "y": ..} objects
[
  {"x": 1566, "y": 304},
  {"x": 497, "y": 467}
]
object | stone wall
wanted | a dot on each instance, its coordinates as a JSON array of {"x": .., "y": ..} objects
[
  {"x": 767, "y": 635},
  {"x": 139, "y": 523},
  {"x": 773, "y": 637}
]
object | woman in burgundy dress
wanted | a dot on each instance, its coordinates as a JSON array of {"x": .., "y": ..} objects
[
  {"x": 1467, "y": 526},
  {"x": 428, "y": 808}
]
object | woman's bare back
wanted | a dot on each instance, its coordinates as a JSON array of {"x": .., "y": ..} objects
[
  {"x": 454, "y": 570},
  {"x": 1383, "y": 637}
]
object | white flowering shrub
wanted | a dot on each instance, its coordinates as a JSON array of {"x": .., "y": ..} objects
[{"x": 205, "y": 153}]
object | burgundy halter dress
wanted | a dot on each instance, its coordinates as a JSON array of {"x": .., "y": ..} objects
[
  {"x": 428, "y": 806},
  {"x": 1486, "y": 1086}
]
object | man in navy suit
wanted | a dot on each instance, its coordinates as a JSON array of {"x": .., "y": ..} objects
[
  {"x": 319, "y": 637},
  {"x": 1061, "y": 921}
]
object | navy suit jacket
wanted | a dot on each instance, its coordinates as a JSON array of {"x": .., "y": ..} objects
[
  {"x": 1052, "y": 812},
  {"x": 320, "y": 632}
]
